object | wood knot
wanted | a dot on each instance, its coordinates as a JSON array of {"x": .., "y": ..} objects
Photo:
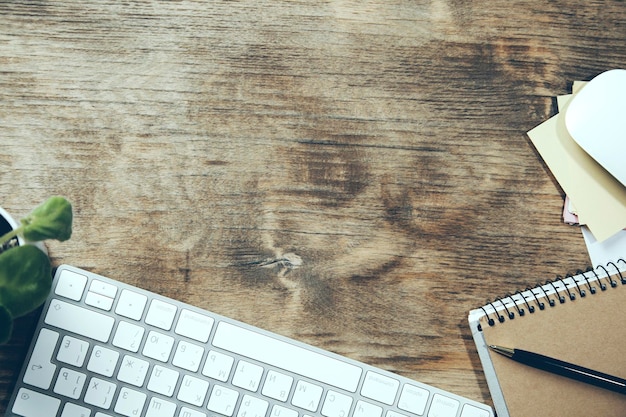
[{"x": 287, "y": 261}]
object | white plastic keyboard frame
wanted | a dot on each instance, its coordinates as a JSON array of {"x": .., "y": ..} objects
[{"x": 310, "y": 366}]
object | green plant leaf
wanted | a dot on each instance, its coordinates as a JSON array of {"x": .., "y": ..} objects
[
  {"x": 25, "y": 279},
  {"x": 6, "y": 324},
  {"x": 50, "y": 220}
]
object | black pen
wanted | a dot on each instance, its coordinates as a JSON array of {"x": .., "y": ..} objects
[{"x": 559, "y": 367}]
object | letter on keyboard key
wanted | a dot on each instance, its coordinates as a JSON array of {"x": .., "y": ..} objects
[
  {"x": 158, "y": 346},
  {"x": 100, "y": 393},
  {"x": 72, "y": 351},
  {"x": 217, "y": 366},
  {"x": 252, "y": 407},
  {"x": 133, "y": 370},
  {"x": 188, "y": 356},
  {"x": 40, "y": 370},
  {"x": 195, "y": 326},
  {"x": 223, "y": 400},
  {"x": 161, "y": 314},
  {"x": 380, "y": 388},
  {"x": 307, "y": 396},
  {"x": 103, "y": 361},
  {"x": 364, "y": 409},
  {"x": 336, "y": 405},
  {"x": 280, "y": 411},
  {"x": 193, "y": 390},
  {"x": 413, "y": 399},
  {"x": 70, "y": 383},
  {"x": 247, "y": 376},
  {"x": 443, "y": 406},
  {"x": 160, "y": 408},
  {"x": 277, "y": 385},
  {"x": 287, "y": 356},
  {"x": 130, "y": 402},
  {"x": 33, "y": 404},
  {"x": 79, "y": 320},
  {"x": 188, "y": 412},
  {"x": 163, "y": 380}
]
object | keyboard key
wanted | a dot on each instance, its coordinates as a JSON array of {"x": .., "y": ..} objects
[
  {"x": 70, "y": 383},
  {"x": 195, "y": 326},
  {"x": 158, "y": 346},
  {"x": 218, "y": 366},
  {"x": 413, "y": 399},
  {"x": 163, "y": 380},
  {"x": 133, "y": 370},
  {"x": 103, "y": 361},
  {"x": 188, "y": 356},
  {"x": 71, "y": 285},
  {"x": 471, "y": 411},
  {"x": 188, "y": 412},
  {"x": 79, "y": 320},
  {"x": 247, "y": 376},
  {"x": 193, "y": 390},
  {"x": 130, "y": 402},
  {"x": 74, "y": 410},
  {"x": 280, "y": 411},
  {"x": 160, "y": 408},
  {"x": 252, "y": 407},
  {"x": 103, "y": 288},
  {"x": 364, "y": 409},
  {"x": 161, "y": 314},
  {"x": 443, "y": 406},
  {"x": 100, "y": 393},
  {"x": 131, "y": 304},
  {"x": 72, "y": 351},
  {"x": 380, "y": 388},
  {"x": 307, "y": 396},
  {"x": 287, "y": 356},
  {"x": 336, "y": 404},
  {"x": 128, "y": 336},
  {"x": 40, "y": 370},
  {"x": 394, "y": 414},
  {"x": 33, "y": 404},
  {"x": 223, "y": 400},
  {"x": 277, "y": 386},
  {"x": 99, "y": 301}
]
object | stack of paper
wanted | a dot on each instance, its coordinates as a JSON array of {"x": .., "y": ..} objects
[{"x": 584, "y": 145}]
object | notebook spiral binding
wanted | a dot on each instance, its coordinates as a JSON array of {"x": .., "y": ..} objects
[{"x": 552, "y": 291}]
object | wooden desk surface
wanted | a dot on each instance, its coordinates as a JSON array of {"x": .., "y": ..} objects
[{"x": 352, "y": 174}]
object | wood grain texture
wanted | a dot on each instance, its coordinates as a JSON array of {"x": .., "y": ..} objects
[{"x": 353, "y": 174}]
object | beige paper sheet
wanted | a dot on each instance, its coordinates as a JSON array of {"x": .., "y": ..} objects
[
  {"x": 588, "y": 331},
  {"x": 599, "y": 198}
]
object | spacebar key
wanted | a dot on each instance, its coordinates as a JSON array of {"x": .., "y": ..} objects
[
  {"x": 79, "y": 320},
  {"x": 287, "y": 356}
]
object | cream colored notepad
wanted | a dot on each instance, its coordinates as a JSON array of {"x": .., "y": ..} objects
[
  {"x": 588, "y": 331},
  {"x": 599, "y": 198}
]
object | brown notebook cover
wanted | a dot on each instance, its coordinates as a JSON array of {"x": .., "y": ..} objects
[{"x": 580, "y": 323}]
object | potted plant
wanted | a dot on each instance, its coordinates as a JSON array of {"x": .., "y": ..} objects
[{"x": 25, "y": 270}]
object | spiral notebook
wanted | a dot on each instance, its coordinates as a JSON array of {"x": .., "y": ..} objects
[{"x": 577, "y": 318}]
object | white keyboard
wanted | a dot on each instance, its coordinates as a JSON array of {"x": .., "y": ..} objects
[{"x": 103, "y": 348}]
